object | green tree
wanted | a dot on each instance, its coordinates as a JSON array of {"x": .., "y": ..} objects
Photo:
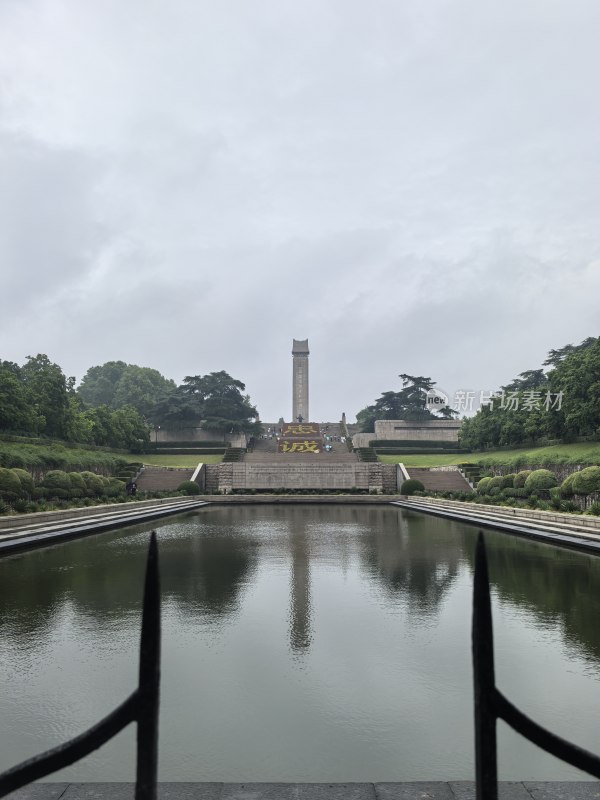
[
  {"x": 46, "y": 388},
  {"x": 530, "y": 379},
  {"x": 217, "y": 401},
  {"x": 577, "y": 379},
  {"x": 116, "y": 384},
  {"x": 17, "y": 413},
  {"x": 99, "y": 384},
  {"x": 562, "y": 404},
  {"x": 408, "y": 403},
  {"x": 122, "y": 428},
  {"x": 142, "y": 388}
]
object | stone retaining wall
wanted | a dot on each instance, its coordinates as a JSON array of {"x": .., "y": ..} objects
[{"x": 247, "y": 475}]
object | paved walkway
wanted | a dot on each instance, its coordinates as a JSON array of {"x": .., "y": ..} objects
[{"x": 454, "y": 790}]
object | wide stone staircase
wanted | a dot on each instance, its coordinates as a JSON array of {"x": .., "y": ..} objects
[
  {"x": 265, "y": 450},
  {"x": 162, "y": 479},
  {"x": 440, "y": 481}
]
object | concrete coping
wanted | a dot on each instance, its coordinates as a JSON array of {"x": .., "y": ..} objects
[
  {"x": 522, "y": 513},
  {"x": 49, "y": 517},
  {"x": 414, "y": 790}
]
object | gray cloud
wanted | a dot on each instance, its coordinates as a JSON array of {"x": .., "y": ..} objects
[{"x": 415, "y": 188}]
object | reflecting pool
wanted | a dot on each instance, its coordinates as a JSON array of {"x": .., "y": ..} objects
[{"x": 300, "y": 643}]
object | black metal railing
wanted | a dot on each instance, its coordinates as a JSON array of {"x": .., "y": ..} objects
[
  {"x": 142, "y": 705},
  {"x": 491, "y": 704}
]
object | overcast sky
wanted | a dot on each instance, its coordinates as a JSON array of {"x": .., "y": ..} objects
[{"x": 189, "y": 185}]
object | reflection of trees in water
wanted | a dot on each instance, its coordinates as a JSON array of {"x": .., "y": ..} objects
[
  {"x": 412, "y": 556},
  {"x": 101, "y": 579},
  {"x": 204, "y": 575},
  {"x": 558, "y": 586}
]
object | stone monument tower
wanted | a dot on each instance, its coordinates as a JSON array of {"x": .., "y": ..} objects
[{"x": 300, "y": 380}]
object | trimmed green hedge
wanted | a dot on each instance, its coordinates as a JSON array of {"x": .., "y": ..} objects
[
  {"x": 185, "y": 443},
  {"x": 25, "y": 480},
  {"x": 189, "y": 487},
  {"x": 417, "y": 451},
  {"x": 540, "y": 480},
  {"x": 483, "y": 485},
  {"x": 566, "y": 487},
  {"x": 10, "y": 485},
  {"x": 190, "y": 451},
  {"x": 587, "y": 481},
  {"x": 411, "y": 486},
  {"x": 418, "y": 443},
  {"x": 521, "y": 477}
]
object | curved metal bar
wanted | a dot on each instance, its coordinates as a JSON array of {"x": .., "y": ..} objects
[
  {"x": 141, "y": 706},
  {"x": 561, "y": 748},
  {"x": 486, "y": 771},
  {"x": 58, "y": 757},
  {"x": 149, "y": 681}
]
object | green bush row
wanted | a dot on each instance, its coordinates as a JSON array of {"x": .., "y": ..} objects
[
  {"x": 542, "y": 481},
  {"x": 17, "y": 484},
  {"x": 418, "y": 443},
  {"x": 158, "y": 447},
  {"x": 508, "y": 498},
  {"x": 38, "y": 458}
]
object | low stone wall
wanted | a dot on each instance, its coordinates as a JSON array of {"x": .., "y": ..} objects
[
  {"x": 362, "y": 439},
  {"x": 242, "y": 475},
  {"x": 439, "y": 430},
  {"x": 506, "y": 512}
]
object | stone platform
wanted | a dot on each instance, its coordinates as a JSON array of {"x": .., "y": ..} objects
[{"x": 452, "y": 790}]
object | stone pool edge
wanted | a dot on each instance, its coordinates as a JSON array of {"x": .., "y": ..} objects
[
  {"x": 26, "y": 532},
  {"x": 565, "y": 533},
  {"x": 406, "y": 790}
]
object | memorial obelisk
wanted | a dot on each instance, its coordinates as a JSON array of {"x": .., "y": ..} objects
[{"x": 300, "y": 381}]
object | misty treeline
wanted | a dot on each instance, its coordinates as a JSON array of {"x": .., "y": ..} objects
[
  {"x": 560, "y": 402},
  {"x": 117, "y": 404}
]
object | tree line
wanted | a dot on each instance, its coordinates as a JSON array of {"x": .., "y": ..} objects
[
  {"x": 561, "y": 402},
  {"x": 117, "y": 404}
]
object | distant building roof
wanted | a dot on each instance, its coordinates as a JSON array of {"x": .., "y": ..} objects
[{"x": 300, "y": 347}]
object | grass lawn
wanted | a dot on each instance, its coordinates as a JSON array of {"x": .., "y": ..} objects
[
  {"x": 156, "y": 460},
  {"x": 581, "y": 453}
]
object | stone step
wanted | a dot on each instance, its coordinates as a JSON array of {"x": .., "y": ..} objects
[
  {"x": 443, "y": 481},
  {"x": 162, "y": 479}
]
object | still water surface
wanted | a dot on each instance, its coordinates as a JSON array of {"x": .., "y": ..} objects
[{"x": 323, "y": 643}]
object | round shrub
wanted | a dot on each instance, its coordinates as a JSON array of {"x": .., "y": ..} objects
[
  {"x": 58, "y": 484},
  {"x": 540, "y": 480},
  {"x": 411, "y": 486},
  {"x": 25, "y": 480},
  {"x": 497, "y": 482},
  {"x": 189, "y": 487},
  {"x": 78, "y": 487},
  {"x": 10, "y": 485},
  {"x": 114, "y": 487},
  {"x": 520, "y": 478},
  {"x": 508, "y": 481},
  {"x": 483, "y": 485},
  {"x": 566, "y": 487},
  {"x": 93, "y": 483},
  {"x": 587, "y": 481},
  {"x": 15, "y": 460}
]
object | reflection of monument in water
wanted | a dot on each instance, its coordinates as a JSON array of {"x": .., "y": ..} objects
[{"x": 300, "y": 607}]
